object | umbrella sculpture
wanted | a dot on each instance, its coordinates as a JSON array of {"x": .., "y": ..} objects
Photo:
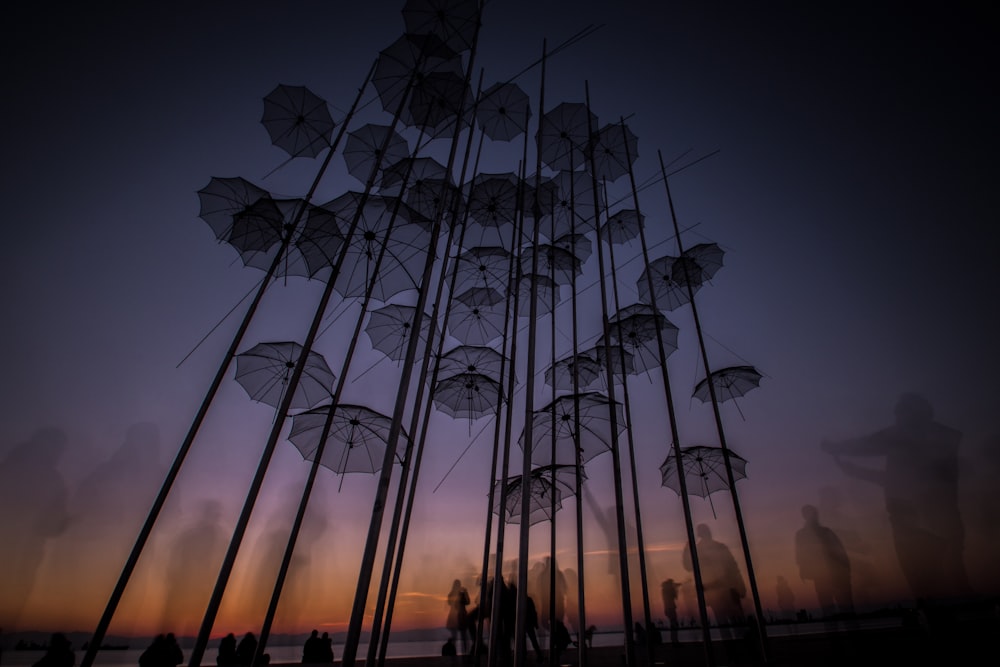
[
  {"x": 561, "y": 373},
  {"x": 560, "y": 417},
  {"x": 355, "y": 443},
  {"x": 564, "y": 135},
  {"x": 406, "y": 61},
  {"x": 503, "y": 111},
  {"x": 371, "y": 148},
  {"x": 241, "y": 214},
  {"x": 557, "y": 263},
  {"x": 297, "y": 120},
  {"x": 546, "y": 291},
  {"x": 634, "y": 327},
  {"x": 704, "y": 471},
  {"x": 389, "y": 329},
  {"x": 541, "y": 494},
  {"x": 454, "y": 21},
  {"x": 471, "y": 359},
  {"x": 730, "y": 383},
  {"x": 493, "y": 199},
  {"x": 436, "y": 102},
  {"x": 572, "y": 202},
  {"x": 578, "y": 244},
  {"x": 264, "y": 370},
  {"x": 623, "y": 226},
  {"x": 467, "y": 395},
  {"x": 619, "y": 368},
  {"x": 476, "y": 316},
  {"x": 673, "y": 275},
  {"x": 614, "y": 148},
  {"x": 413, "y": 172},
  {"x": 483, "y": 266}
]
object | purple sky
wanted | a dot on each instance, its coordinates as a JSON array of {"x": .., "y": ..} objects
[{"x": 851, "y": 194}]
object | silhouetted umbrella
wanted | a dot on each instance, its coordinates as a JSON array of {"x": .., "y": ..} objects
[
  {"x": 436, "y": 102},
  {"x": 471, "y": 359},
  {"x": 321, "y": 239},
  {"x": 614, "y": 149},
  {"x": 730, "y": 383},
  {"x": 415, "y": 171},
  {"x": 454, "y": 21},
  {"x": 634, "y": 327},
  {"x": 388, "y": 222},
  {"x": 560, "y": 417},
  {"x": 265, "y": 370},
  {"x": 578, "y": 244},
  {"x": 406, "y": 61},
  {"x": 553, "y": 261},
  {"x": 483, "y": 266},
  {"x": 564, "y": 135},
  {"x": 475, "y": 317},
  {"x": 704, "y": 471},
  {"x": 371, "y": 147},
  {"x": 573, "y": 203},
  {"x": 356, "y": 440},
  {"x": 543, "y": 497},
  {"x": 297, "y": 121},
  {"x": 703, "y": 261},
  {"x": 389, "y": 329},
  {"x": 669, "y": 284},
  {"x": 544, "y": 292},
  {"x": 504, "y": 111},
  {"x": 467, "y": 395},
  {"x": 432, "y": 197},
  {"x": 617, "y": 354},
  {"x": 561, "y": 373},
  {"x": 493, "y": 199},
  {"x": 623, "y": 226},
  {"x": 241, "y": 214}
]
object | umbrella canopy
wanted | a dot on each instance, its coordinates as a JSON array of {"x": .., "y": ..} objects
[
  {"x": 614, "y": 150},
  {"x": 572, "y": 202},
  {"x": 467, "y": 395},
  {"x": 672, "y": 275},
  {"x": 622, "y": 361},
  {"x": 623, "y": 226},
  {"x": 297, "y": 120},
  {"x": 453, "y": 21},
  {"x": 564, "y": 135},
  {"x": 584, "y": 368},
  {"x": 559, "y": 418},
  {"x": 355, "y": 442},
  {"x": 411, "y": 172},
  {"x": 704, "y": 470},
  {"x": 483, "y": 266},
  {"x": 542, "y": 495},
  {"x": 578, "y": 244},
  {"x": 437, "y": 103},
  {"x": 406, "y": 61},
  {"x": 503, "y": 112},
  {"x": 372, "y": 148},
  {"x": 730, "y": 383},
  {"x": 390, "y": 327},
  {"x": 634, "y": 327},
  {"x": 546, "y": 291},
  {"x": 493, "y": 199},
  {"x": 241, "y": 214},
  {"x": 471, "y": 359},
  {"x": 477, "y": 315},
  {"x": 553, "y": 261},
  {"x": 265, "y": 370}
]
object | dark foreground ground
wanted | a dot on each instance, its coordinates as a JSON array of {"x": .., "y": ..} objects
[{"x": 969, "y": 639}]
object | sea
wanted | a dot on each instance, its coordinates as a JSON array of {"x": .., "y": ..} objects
[{"x": 406, "y": 649}]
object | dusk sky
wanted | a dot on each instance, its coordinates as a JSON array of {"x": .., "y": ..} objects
[{"x": 850, "y": 192}]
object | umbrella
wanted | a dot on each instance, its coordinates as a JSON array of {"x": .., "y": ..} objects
[
  {"x": 564, "y": 135},
  {"x": 614, "y": 149},
  {"x": 559, "y": 418},
  {"x": 634, "y": 327},
  {"x": 265, "y": 369},
  {"x": 704, "y": 471},
  {"x": 475, "y": 318},
  {"x": 703, "y": 261},
  {"x": 455, "y": 22},
  {"x": 553, "y": 261},
  {"x": 433, "y": 197},
  {"x": 389, "y": 329},
  {"x": 483, "y": 266},
  {"x": 373, "y": 147},
  {"x": 467, "y": 395},
  {"x": 297, "y": 121},
  {"x": 578, "y": 244},
  {"x": 561, "y": 373},
  {"x": 573, "y": 203},
  {"x": 436, "y": 102},
  {"x": 546, "y": 290},
  {"x": 384, "y": 222},
  {"x": 542, "y": 494},
  {"x": 406, "y": 61},
  {"x": 471, "y": 359},
  {"x": 669, "y": 286},
  {"x": 623, "y": 226},
  {"x": 411, "y": 172},
  {"x": 493, "y": 199},
  {"x": 730, "y": 383},
  {"x": 356, "y": 440},
  {"x": 241, "y": 214},
  {"x": 503, "y": 112},
  {"x": 321, "y": 240},
  {"x": 617, "y": 354}
]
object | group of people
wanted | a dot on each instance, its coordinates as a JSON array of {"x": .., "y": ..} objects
[
  {"x": 164, "y": 651},
  {"x": 242, "y": 654},
  {"x": 318, "y": 650}
]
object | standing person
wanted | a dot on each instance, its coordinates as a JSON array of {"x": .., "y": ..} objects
[
  {"x": 59, "y": 654},
  {"x": 458, "y": 617},
  {"x": 669, "y": 589},
  {"x": 721, "y": 579},
  {"x": 311, "y": 648},
  {"x": 919, "y": 479},
  {"x": 227, "y": 651},
  {"x": 822, "y": 559}
]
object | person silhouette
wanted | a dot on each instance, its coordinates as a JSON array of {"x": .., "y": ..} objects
[
  {"x": 227, "y": 651},
  {"x": 721, "y": 580},
  {"x": 311, "y": 648},
  {"x": 670, "y": 589},
  {"x": 246, "y": 649},
  {"x": 822, "y": 559},
  {"x": 458, "y": 617},
  {"x": 448, "y": 648},
  {"x": 920, "y": 484},
  {"x": 325, "y": 648},
  {"x": 59, "y": 653}
]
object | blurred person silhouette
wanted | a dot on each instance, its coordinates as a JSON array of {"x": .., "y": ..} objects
[
  {"x": 326, "y": 648},
  {"x": 311, "y": 648},
  {"x": 720, "y": 575},
  {"x": 163, "y": 651},
  {"x": 572, "y": 601},
  {"x": 786, "y": 599},
  {"x": 227, "y": 651},
  {"x": 669, "y": 590},
  {"x": 919, "y": 479},
  {"x": 543, "y": 584},
  {"x": 822, "y": 559},
  {"x": 33, "y": 510},
  {"x": 58, "y": 654},
  {"x": 458, "y": 616},
  {"x": 640, "y": 634},
  {"x": 561, "y": 641},
  {"x": 448, "y": 648},
  {"x": 196, "y": 551},
  {"x": 246, "y": 649}
]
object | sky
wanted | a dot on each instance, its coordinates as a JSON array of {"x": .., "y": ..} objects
[{"x": 849, "y": 183}]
